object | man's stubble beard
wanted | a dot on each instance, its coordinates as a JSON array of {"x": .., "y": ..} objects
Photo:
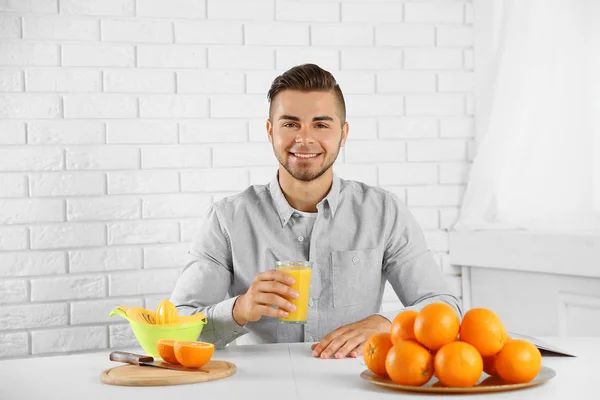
[{"x": 306, "y": 175}]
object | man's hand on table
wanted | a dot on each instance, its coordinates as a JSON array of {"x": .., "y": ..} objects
[
  {"x": 270, "y": 288},
  {"x": 349, "y": 340}
]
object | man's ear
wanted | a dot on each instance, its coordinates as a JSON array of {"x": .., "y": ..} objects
[
  {"x": 345, "y": 130},
  {"x": 269, "y": 127}
]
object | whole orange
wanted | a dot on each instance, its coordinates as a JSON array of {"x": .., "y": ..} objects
[
  {"x": 166, "y": 349},
  {"x": 403, "y": 326},
  {"x": 489, "y": 365},
  {"x": 458, "y": 364},
  {"x": 518, "y": 362},
  {"x": 436, "y": 325},
  {"x": 409, "y": 363},
  {"x": 375, "y": 352},
  {"x": 193, "y": 354},
  {"x": 483, "y": 329}
]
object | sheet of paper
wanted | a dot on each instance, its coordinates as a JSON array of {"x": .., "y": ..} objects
[{"x": 541, "y": 344}]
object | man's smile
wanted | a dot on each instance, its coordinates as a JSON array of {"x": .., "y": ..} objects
[{"x": 305, "y": 156}]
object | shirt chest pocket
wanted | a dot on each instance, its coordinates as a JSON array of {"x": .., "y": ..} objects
[{"x": 356, "y": 274}]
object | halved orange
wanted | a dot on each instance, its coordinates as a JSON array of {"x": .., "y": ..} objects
[
  {"x": 193, "y": 354},
  {"x": 166, "y": 349}
]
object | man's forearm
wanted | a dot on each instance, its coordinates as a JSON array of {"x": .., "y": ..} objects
[{"x": 221, "y": 327}]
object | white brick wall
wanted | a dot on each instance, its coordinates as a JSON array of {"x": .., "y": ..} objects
[
  {"x": 60, "y": 28},
  {"x": 97, "y": 55},
  {"x": 122, "y": 120}
]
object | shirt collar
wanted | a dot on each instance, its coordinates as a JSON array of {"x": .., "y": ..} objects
[
  {"x": 286, "y": 211},
  {"x": 333, "y": 196}
]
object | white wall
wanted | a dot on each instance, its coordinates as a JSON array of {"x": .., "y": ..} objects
[{"x": 120, "y": 121}]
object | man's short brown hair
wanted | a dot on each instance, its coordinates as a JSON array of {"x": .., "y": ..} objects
[{"x": 307, "y": 78}]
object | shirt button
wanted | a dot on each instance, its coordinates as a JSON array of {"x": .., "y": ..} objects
[
  {"x": 355, "y": 259},
  {"x": 301, "y": 238},
  {"x": 310, "y": 302},
  {"x": 296, "y": 215}
]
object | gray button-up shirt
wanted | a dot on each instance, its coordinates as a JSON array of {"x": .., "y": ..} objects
[{"x": 362, "y": 236}]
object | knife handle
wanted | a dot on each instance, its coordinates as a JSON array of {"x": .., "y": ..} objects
[{"x": 129, "y": 358}]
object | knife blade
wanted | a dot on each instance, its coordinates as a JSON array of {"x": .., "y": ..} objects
[{"x": 137, "y": 359}]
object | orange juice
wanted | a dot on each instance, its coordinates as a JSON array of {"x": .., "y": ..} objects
[{"x": 301, "y": 271}]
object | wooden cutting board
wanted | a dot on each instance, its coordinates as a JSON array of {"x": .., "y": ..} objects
[{"x": 134, "y": 375}]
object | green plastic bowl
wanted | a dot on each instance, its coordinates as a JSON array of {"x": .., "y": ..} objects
[{"x": 147, "y": 334}]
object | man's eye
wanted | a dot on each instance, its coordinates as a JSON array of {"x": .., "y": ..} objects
[
  {"x": 322, "y": 126},
  {"x": 289, "y": 125}
]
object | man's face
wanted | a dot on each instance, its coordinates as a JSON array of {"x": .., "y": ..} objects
[{"x": 306, "y": 132}]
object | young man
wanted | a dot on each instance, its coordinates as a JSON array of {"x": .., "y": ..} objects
[{"x": 358, "y": 236}]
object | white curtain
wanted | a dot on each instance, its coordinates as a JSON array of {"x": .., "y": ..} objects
[{"x": 538, "y": 165}]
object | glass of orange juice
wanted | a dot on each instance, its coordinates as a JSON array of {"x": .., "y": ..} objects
[{"x": 301, "y": 271}]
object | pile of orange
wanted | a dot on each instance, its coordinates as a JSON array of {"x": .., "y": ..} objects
[
  {"x": 188, "y": 354},
  {"x": 434, "y": 342}
]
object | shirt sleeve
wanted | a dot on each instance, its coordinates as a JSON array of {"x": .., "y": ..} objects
[
  {"x": 409, "y": 265},
  {"x": 204, "y": 282}
]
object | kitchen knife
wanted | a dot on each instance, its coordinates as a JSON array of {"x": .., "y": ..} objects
[{"x": 137, "y": 359}]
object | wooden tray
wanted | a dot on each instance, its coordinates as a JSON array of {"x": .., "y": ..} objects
[
  {"x": 134, "y": 375},
  {"x": 485, "y": 385}
]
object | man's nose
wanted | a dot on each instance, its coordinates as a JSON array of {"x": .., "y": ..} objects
[{"x": 304, "y": 136}]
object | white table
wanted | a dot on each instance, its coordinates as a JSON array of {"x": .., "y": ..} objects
[{"x": 277, "y": 371}]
